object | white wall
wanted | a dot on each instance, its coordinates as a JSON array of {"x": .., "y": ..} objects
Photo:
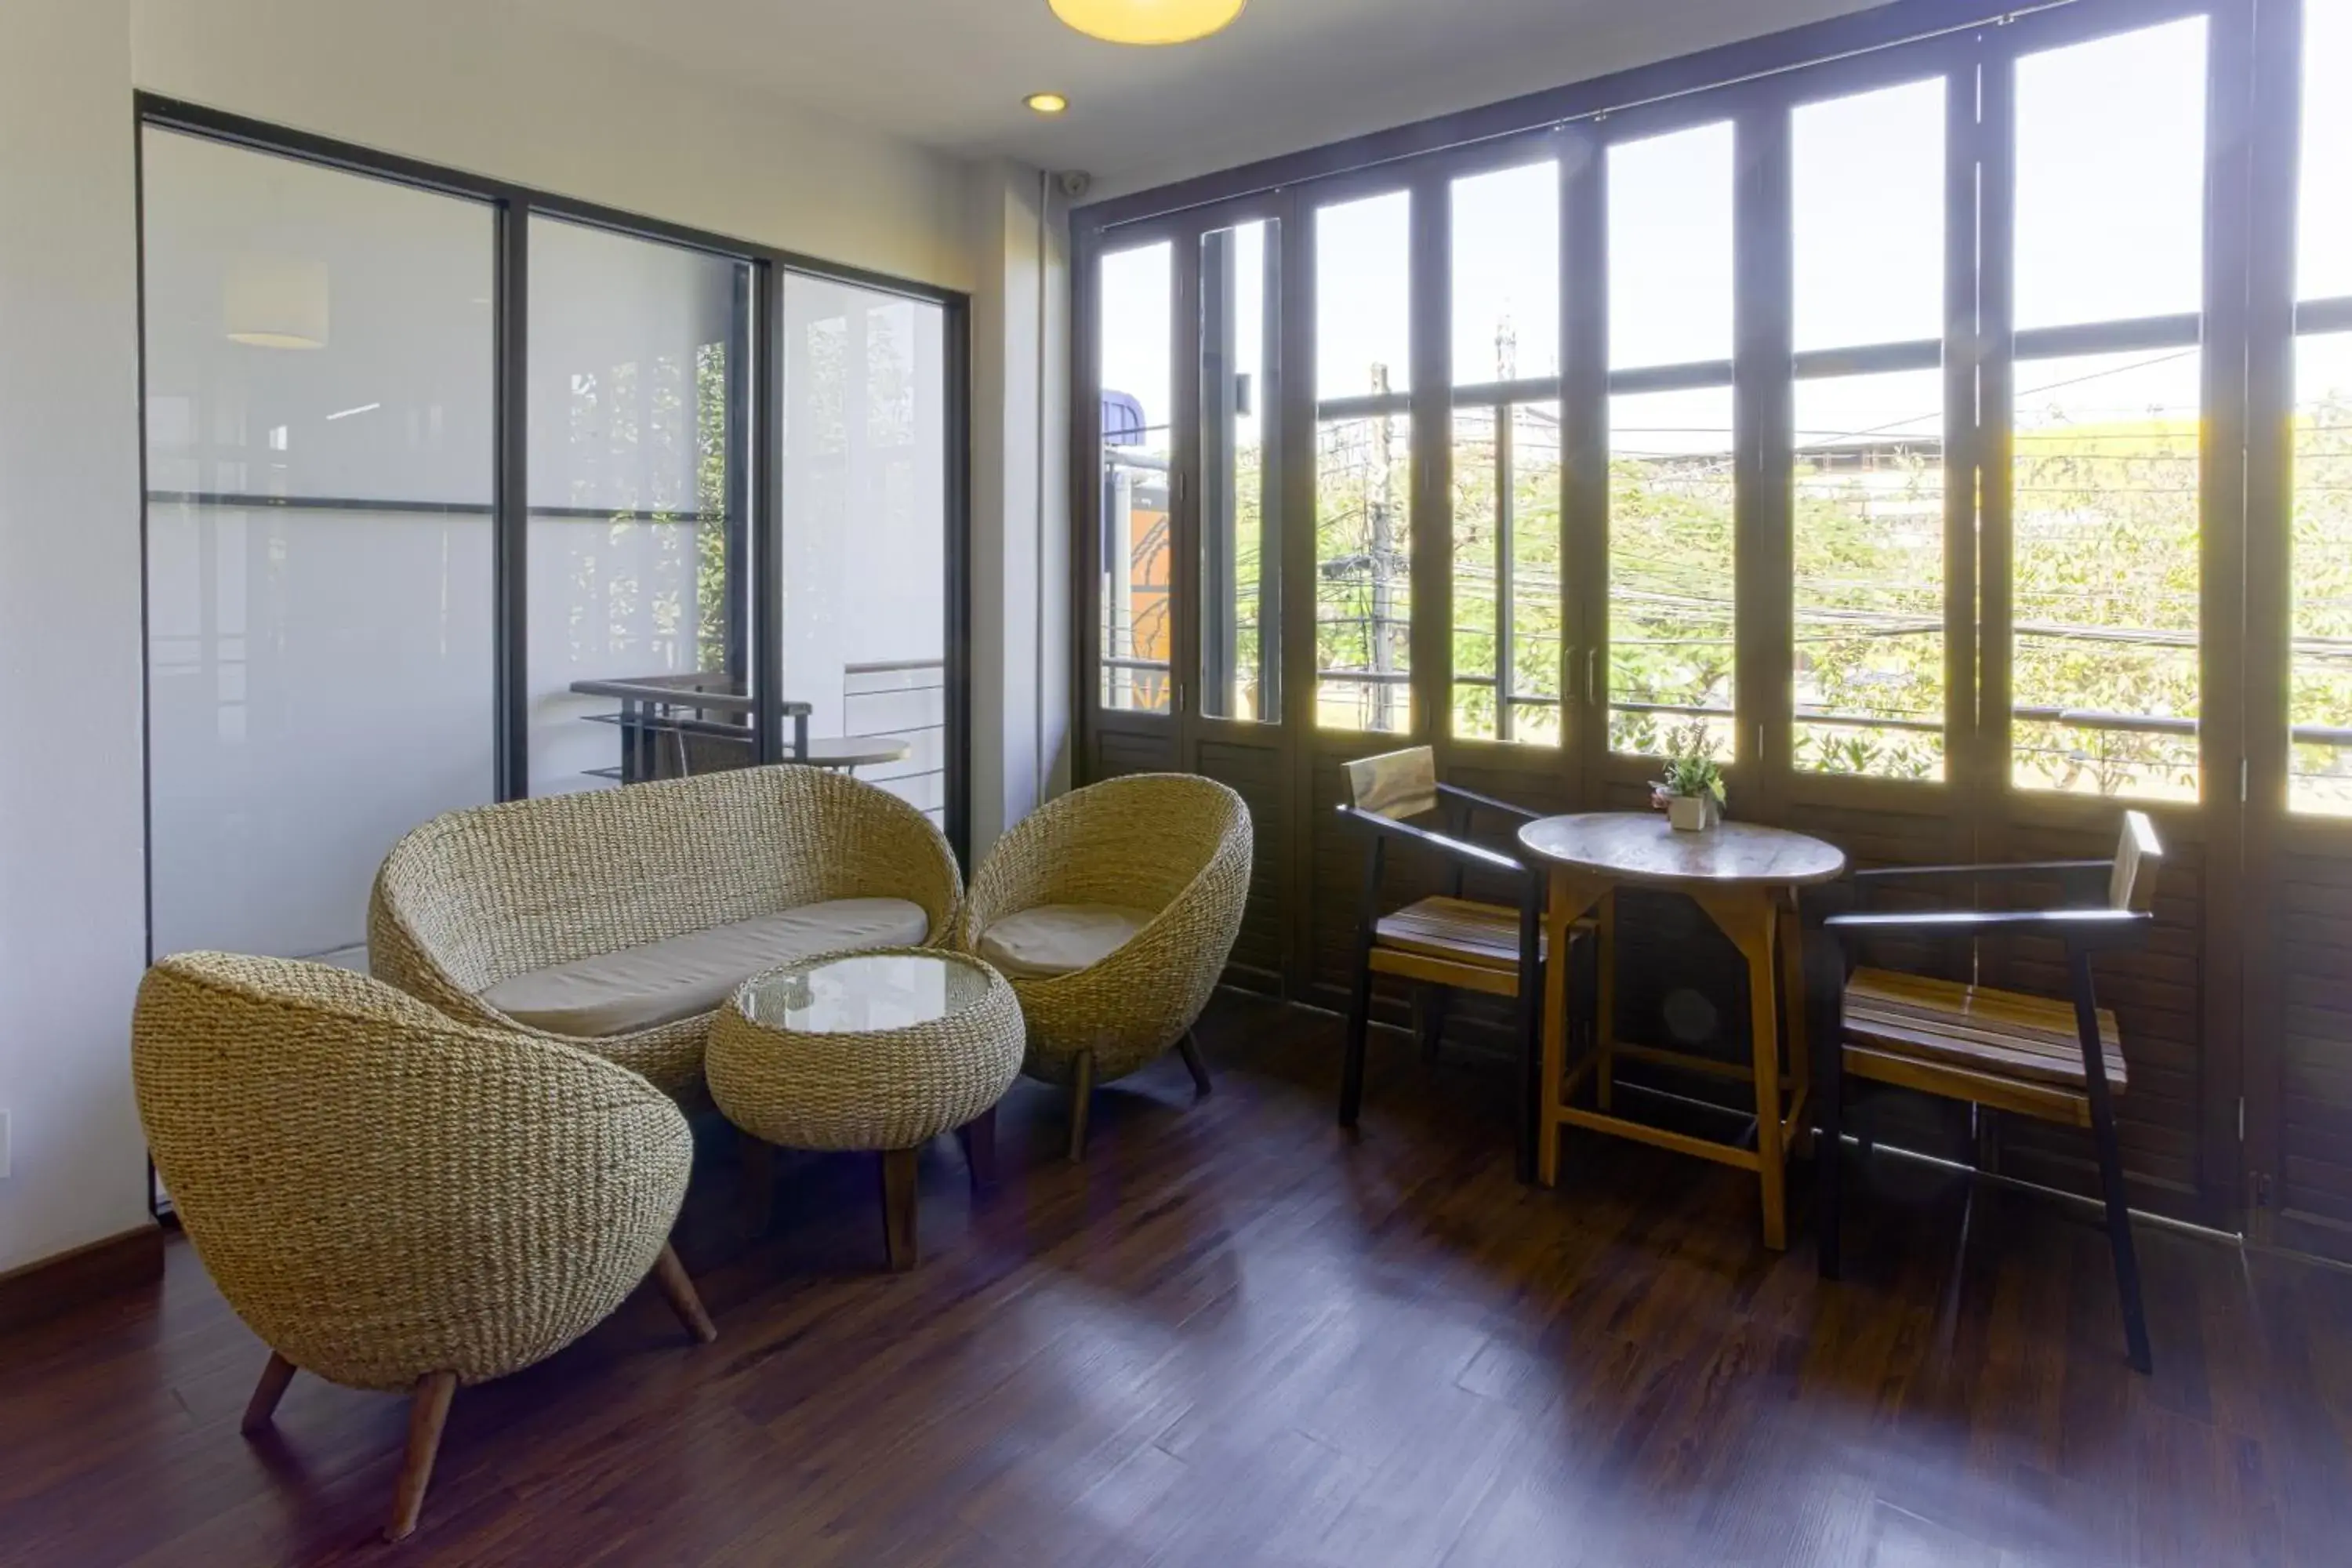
[
  {"x": 72, "y": 874},
  {"x": 477, "y": 85},
  {"x": 1021, "y": 506},
  {"x": 461, "y": 83}
]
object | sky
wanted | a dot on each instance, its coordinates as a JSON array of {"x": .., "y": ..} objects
[{"x": 2109, "y": 213}]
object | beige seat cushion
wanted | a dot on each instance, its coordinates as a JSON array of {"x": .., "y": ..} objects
[
  {"x": 663, "y": 981},
  {"x": 1059, "y": 938}
]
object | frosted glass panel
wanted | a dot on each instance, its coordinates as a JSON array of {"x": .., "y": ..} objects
[
  {"x": 319, "y": 578},
  {"x": 863, "y": 563},
  {"x": 638, "y": 573}
]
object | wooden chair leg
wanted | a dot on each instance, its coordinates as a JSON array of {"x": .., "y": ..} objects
[
  {"x": 1531, "y": 1024},
  {"x": 978, "y": 1137},
  {"x": 1359, "y": 1024},
  {"x": 1082, "y": 1097},
  {"x": 2111, "y": 1164},
  {"x": 759, "y": 1184},
  {"x": 898, "y": 1207},
  {"x": 1824, "y": 970},
  {"x": 677, "y": 1289},
  {"x": 1431, "y": 1003},
  {"x": 1197, "y": 1065},
  {"x": 429, "y": 1413},
  {"x": 262, "y": 1406}
]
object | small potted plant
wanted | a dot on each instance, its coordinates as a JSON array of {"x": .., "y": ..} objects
[{"x": 1692, "y": 791}]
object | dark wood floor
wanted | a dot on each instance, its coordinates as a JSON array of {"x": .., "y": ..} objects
[{"x": 1234, "y": 1337}]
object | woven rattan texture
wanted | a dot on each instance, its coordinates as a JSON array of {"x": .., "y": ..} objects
[
  {"x": 1174, "y": 843},
  {"x": 380, "y": 1193}
]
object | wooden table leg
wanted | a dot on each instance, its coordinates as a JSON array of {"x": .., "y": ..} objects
[
  {"x": 1747, "y": 916},
  {"x": 759, "y": 1183},
  {"x": 1557, "y": 920},
  {"x": 1604, "y": 1001},
  {"x": 898, "y": 1206},
  {"x": 978, "y": 1137}
]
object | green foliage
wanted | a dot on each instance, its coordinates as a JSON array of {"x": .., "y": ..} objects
[{"x": 1691, "y": 768}]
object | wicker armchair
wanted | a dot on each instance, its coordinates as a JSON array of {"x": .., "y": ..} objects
[
  {"x": 481, "y": 897},
  {"x": 1171, "y": 852},
  {"x": 393, "y": 1201}
]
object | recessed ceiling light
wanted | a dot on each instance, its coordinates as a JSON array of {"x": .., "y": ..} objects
[
  {"x": 1047, "y": 102},
  {"x": 1148, "y": 21}
]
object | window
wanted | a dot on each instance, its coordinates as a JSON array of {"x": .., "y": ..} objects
[
  {"x": 1363, "y": 465},
  {"x": 862, "y": 544},
  {"x": 1673, "y": 620},
  {"x": 1672, "y": 647},
  {"x": 1506, "y": 455},
  {"x": 321, "y": 619},
  {"x": 2104, "y": 499},
  {"x": 1240, "y": 490},
  {"x": 348, "y": 442},
  {"x": 1869, "y": 505},
  {"x": 1138, "y": 546},
  {"x": 639, "y": 542},
  {"x": 2319, "y": 702}
]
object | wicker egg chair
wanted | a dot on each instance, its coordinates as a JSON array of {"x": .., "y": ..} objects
[
  {"x": 393, "y": 1201},
  {"x": 1169, "y": 853}
]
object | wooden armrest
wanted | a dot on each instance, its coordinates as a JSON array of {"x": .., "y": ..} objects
[
  {"x": 2094, "y": 928},
  {"x": 1997, "y": 869},
  {"x": 1472, "y": 854},
  {"x": 1488, "y": 803}
]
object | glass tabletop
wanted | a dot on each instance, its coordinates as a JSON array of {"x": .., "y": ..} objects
[{"x": 862, "y": 994}]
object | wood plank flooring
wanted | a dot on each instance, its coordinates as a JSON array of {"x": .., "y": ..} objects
[{"x": 1236, "y": 1336}]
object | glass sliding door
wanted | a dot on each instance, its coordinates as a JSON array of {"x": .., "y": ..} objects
[
  {"x": 1241, "y": 489},
  {"x": 639, "y": 544},
  {"x": 863, "y": 556},
  {"x": 1673, "y": 621},
  {"x": 1870, "y": 521},
  {"x": 320, "y": 644},
  {"x": 1363, "y": 464},
  {"x": 2105, "y": 489},
  {"x": 2319, "y": 700},
  {"x": 1508, "y": 576},
  {"x": 1135, "y": 376}
]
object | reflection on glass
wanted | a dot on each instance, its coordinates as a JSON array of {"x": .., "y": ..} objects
[
  {"x": 1869, "y": 695},
  {"x": 1506, "y": 276},
  {"x": 2324, "y": 218},
  {"x": 1869, "y": 204},
  {"x": 2111, "y": 177},
  {"x": 1670, "y": 248},
  {"x": 1672, "y": 626},
  {"x": 1507, "y": 551},
  {"x": 638, "y": 548},
  {"x": 865, "y": 529},
  {"x": 2320, "y": 700},
  {"x": 1363, "y": 465},
  {"x": 1138, "y": 290},
  {"x": 863, "y": 993},
  {"x": 2106, "y": 564},
  {"x": 1241, "y": 556},
  {"x": 319, "y": 612}
]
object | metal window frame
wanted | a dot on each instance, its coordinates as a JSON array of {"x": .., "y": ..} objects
[{"x": 755, "y": 481}]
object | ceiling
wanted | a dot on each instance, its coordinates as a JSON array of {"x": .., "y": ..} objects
[{"x": 1289, "y": 74}]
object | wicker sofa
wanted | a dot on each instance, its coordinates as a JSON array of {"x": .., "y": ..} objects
[{"x": 618, "y": 921}]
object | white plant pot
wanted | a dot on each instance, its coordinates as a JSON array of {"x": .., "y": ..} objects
[{"x": 1692, "y": 812}]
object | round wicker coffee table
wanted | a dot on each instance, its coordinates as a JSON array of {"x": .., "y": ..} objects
[{"x": 867, "y": 1050}]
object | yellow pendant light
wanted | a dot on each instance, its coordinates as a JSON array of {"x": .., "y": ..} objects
[{"x": 1148, "y": 21}]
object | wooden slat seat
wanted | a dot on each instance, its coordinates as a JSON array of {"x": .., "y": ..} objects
[
  {"x": 1459, "y": 929},
  {"x": 1965, "y": 1042}
]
